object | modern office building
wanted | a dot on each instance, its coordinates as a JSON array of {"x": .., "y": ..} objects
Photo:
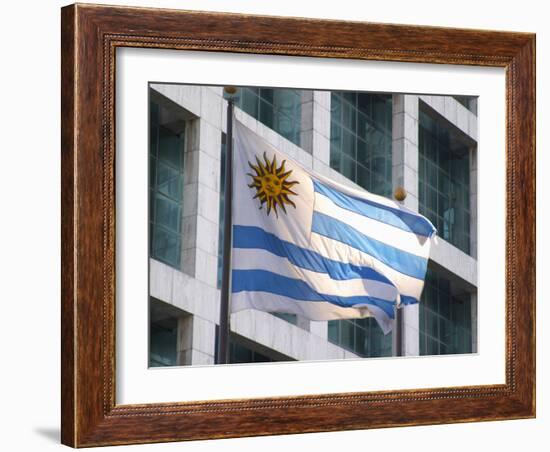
[{"x": 426, "y": 144}]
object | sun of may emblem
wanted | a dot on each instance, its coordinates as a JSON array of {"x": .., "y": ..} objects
[{"x": 272, "y": 185}]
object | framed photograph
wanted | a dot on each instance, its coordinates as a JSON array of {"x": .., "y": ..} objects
[{"x": 282, "y": 225}]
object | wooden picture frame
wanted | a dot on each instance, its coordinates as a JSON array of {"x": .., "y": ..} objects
[{"x": 90, "y": 37}]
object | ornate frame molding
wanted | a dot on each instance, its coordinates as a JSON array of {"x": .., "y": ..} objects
[{"x": 90, "y": 36}]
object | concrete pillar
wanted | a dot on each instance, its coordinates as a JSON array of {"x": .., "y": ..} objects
[
  {"x": 306, "y": 123},
  {"x": 315, "y": 133},
  {"x": 319, "y": 329},
  {"x": 411, "y": 330},
  {"x": 306, "y": 143},
  {"x": 201, "y": 190},
  {"x": 321, "y": 126},
  {"x": 195, "y": 341},
  {"x": 315, "y": 139},
  {"x": 405, "y": 174},
  {"x": 405, "y": 147},
  {"x": 303, "y": 322},
  {"x": 184, "y": 344}
]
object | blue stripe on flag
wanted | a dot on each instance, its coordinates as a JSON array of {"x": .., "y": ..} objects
[
  {"x": 394, "y": 217},
  {"x": 406, "y": 300},
  {"x": 252, "y": 237},
  {"x": 399, "y": 260},
  {"x": 264, "y": 281}
]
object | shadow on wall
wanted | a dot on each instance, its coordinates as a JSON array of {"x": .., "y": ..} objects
[{"x": 50, "y": 433}]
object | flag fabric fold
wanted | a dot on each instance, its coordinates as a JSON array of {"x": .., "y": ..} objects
[{"x": 306, "y": 245}]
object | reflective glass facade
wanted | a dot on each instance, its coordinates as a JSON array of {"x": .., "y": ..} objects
[
  {"x": 360, "y": 336},
  {"x": 445, "y": 317},
  {"x": 166, "y": 148},
  {"x": 242, "y": 351},
  {"x": 290, "y": 318},
  {"x": 163, "y": 335},
  {"x": 361, "y": 139},
  {"x": 277, "y": 108},
  {"x": 240, "y": 354},
  {"x": 221, "y": 209},
  {"x": 444, "y": 181}
]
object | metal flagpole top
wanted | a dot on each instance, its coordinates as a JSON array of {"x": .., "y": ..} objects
[
  {"x": 231, "y": 90},
  {"x": 400, "y": 194}
]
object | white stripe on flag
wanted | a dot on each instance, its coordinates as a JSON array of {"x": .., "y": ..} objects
[
  {"x": 257, "y": 259},
  {"x": 316, "y": 311},
  {"x": 398, "y": 238},
  {"x": 332, "y": 249},
  {"x": 360, "y": 193}
]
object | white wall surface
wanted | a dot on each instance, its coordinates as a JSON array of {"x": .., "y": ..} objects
[{"x": 29, "y": 255}]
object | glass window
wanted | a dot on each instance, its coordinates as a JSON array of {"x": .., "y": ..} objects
[
  {"x": 277, "y": 108},
  {"x": 444, "y": 181},
  {"x": 290, "y": 318},
  {"x": 163, "y": 344},
  {"x": 162, "y": 337},
  {"x": 360, "y": 336},
  {"x": 244, "y": 351},
  {"x": 445, "y": 318},
  {"x": 361, "y": 139},
  {"x": 221, "y": 209},
  {"x": 166, "y": 150},
  {"x": 240, "y": 354}
]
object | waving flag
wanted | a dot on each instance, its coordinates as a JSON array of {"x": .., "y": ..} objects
[{"x": 307, "y": 245}]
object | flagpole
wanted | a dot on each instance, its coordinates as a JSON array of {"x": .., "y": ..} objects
[
  {"x": 399, "y": 194},
  {"x": 398, "y": 329},
  {"x": 225, "y": 312}
]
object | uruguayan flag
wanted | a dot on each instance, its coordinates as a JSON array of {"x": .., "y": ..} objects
[{"x": 306, "y": 245}]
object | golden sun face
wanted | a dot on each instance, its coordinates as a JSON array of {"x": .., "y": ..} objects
[{"x": 271, "y": 184}]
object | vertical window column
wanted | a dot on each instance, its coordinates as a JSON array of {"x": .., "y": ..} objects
[
  {"x": 162, "y": 336},
  {"x": 445, "y": 317},
  {"x": 473, "y": 202},
  {"x": 405, "y": 174},
  {"x": 473, "y": 237},
  {"x": 361, "y": 150},
  {"x": 473, "y": 317},
  {"x": 361, "y": 139},
  {"x": 166, "y": 167},
  {"x": 444, "y": 180}
]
